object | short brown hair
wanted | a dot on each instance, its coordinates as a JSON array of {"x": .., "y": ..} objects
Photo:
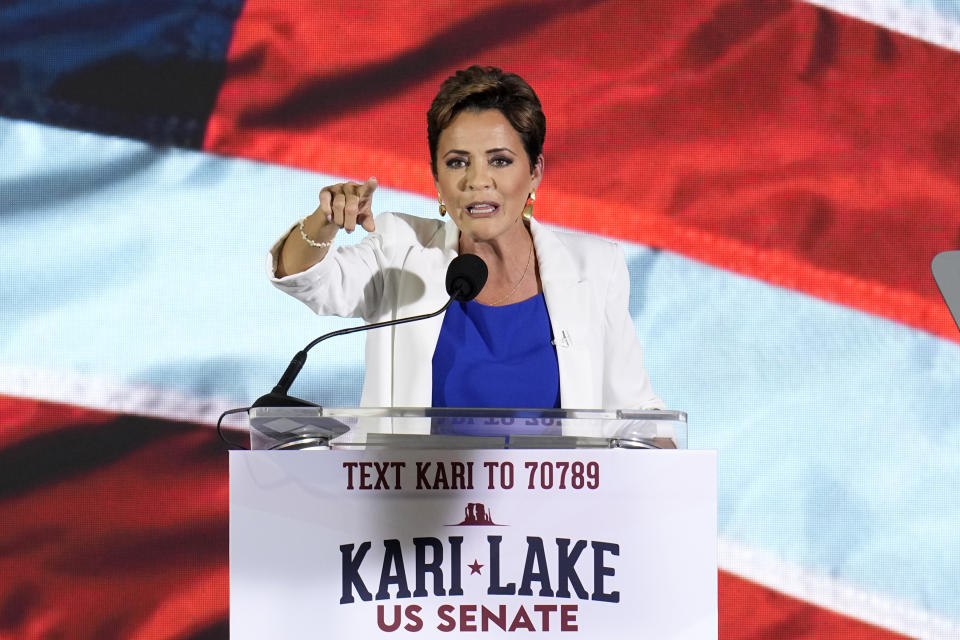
[{"x": 480, "y": 88}]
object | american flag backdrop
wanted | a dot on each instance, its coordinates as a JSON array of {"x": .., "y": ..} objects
[{"x": 780, "y": 174}]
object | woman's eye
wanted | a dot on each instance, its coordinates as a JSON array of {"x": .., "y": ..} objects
[
  {"x": 501, "y": 162},
  {"x": 456, "y": 163}
]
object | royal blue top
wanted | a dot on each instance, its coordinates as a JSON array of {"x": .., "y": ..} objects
[{"x": 496, "y": 357}]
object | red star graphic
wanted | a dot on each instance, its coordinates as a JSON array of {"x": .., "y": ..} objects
[{"x": 475, "y": 567}]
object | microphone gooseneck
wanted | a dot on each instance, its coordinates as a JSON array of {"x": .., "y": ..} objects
[{"x": 466, "y": 276}]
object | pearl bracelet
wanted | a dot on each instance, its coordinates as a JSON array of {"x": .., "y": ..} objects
[{"x": 310, "y": 241}]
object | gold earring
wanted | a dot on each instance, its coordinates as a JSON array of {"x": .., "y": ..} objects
[
  {"x": 528, "y": 210},
  {"x": 443, "y": 207}
]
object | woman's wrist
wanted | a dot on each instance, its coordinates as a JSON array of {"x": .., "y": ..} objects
[
  {"x": 317, "y": 236},
  {"x": 318, "y": 241},
  {"x": 306, "y": 244}
]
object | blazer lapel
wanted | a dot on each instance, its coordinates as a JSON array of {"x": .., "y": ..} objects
[
  {"x": 568, "y": 302},
  {"x": 421, "y": 289}
]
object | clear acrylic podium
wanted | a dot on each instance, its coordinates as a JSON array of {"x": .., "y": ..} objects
[
  {"x": 285, "y": 428},
  {"x": 441, "y": 521}
]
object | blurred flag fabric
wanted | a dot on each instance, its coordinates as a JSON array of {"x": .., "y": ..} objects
[{"x": 780, "y": 174}]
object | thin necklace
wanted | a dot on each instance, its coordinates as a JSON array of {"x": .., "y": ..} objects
[{"x": 516, "y": 286}]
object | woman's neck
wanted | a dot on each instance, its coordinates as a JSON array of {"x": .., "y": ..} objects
[{"x": 511, "y": 265}]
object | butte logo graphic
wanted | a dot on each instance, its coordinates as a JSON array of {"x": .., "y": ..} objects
[{"x": 476, "y": 515}]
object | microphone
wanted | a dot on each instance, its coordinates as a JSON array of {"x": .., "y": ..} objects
[{"x": 466, "y": 276}]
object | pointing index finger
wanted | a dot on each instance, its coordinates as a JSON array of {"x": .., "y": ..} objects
[{"x": 368, "y": 187}]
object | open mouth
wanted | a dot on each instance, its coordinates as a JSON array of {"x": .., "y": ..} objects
[{"x": 482, "y": 209}]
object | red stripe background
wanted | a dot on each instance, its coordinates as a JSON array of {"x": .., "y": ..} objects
[
  {"x": 773, "y": 138},
  {"x": 111, "y": 526}
]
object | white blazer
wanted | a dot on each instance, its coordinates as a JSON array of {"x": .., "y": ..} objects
[{"x": 399, "y": 271}]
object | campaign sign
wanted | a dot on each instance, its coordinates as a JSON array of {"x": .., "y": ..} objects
[{"x": 554, "y": 543}]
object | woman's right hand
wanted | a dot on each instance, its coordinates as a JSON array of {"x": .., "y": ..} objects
[
  {"x": 342, "y": 206},
  {"x": 348, "y": 204}
]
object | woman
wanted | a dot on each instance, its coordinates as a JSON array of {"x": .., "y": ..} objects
[{"x": 550, "y": 327}]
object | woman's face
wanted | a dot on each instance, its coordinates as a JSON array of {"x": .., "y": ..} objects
[{"x": 483, "y": 173}]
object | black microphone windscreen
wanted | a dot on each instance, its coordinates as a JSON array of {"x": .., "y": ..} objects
[{"x": 466, "y": 276}]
